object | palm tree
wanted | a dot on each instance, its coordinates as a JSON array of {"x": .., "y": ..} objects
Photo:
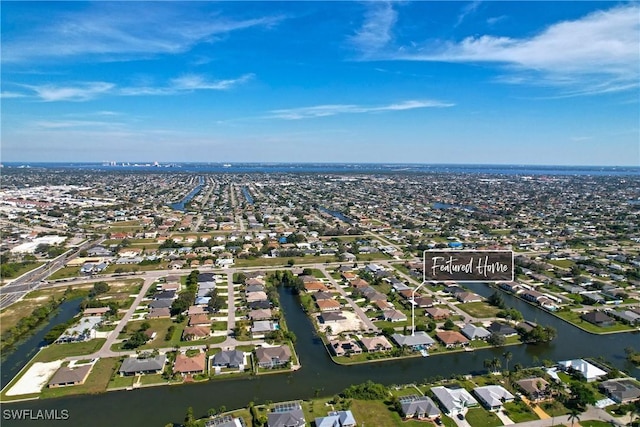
[
  {"x": 495, "y": 363},
  {"x": 574, "y": 416},
  {"x": 507, "y": 357}
]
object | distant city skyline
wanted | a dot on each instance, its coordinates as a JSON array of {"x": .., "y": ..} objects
[{"x": 494, "y": 82}]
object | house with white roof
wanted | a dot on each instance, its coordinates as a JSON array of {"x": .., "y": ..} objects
[
  {"x": 587, "y": 370},
  {"x": 493, "y": 396},
  {"x": 454, "y": 400}
]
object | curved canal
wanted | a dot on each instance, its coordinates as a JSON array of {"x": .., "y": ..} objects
[{"x": 158, "y": 406}]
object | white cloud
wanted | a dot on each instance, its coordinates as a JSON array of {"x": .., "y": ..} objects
[
  {"x": 598, "y": 49},
  {"x": 334, "y": 109},
  {"x": 8, "y": 95},
  {"x": 80, "y": 92},
  {"x": 68, "y": 124},
  {"x": 376, "y": 31},
  {"x": 108, "y": 31},
  {"x": 467, "y": 10},
  {"x": 90, "y": 90}
]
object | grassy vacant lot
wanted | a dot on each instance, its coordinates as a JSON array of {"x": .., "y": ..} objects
[
  {"x": 479, "y": 309},
  {"x": 574, "y": 318},
  {"x": 60, "y": 351},
  {"x": 554, "y": 408},
  {"x": 20, "y": 269},
  {"x": 64, "y": 273},
  {"x": 594, "y": 423},
  {"x": 95, "y": 383},
  {"x": 283, "y": 261},
  {"x": 374, "y": 413},
  {"x": 479, "y": 417},
  {"x": 519, "y": 412},
  {"x": 562, "y": 263}
]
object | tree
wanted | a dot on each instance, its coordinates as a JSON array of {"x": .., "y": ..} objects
[
  {"x": 189, "y": 421},
  {"x": 574, "y": 416},
  {"x": 100, "y": 288},
  {"x": 449, "y": 325},
  {"x": 496, "y": 339},
  {"x": 507, "y": 355}
]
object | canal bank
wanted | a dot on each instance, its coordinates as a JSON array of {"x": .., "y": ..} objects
[{"x": 157, "y": 406}]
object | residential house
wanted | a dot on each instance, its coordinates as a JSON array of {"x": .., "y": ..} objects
[
  {"x": 344, "y": 347},
  {"x": 262, "y": 327},
  {"x": 199, "y": 320},
  {"x": 466, "y": 297},
  {"x": 420, "y": 407},
  {"x": 224, "y": 421},
  {"x": 621, "y": 390},
  {"x": 418, "y": 341},
  {"x": 393, "y": 315},
  {"x": 438, "y": 313},
  {"x": 598, "y": 318},
  {"x": 535, "y": 388},
  {"x": 159, "y": 313},
  {"x": 229, "y": 359},
  {"x": 337, "y": 419},
  {"x": 191, "y": 333},
  {"x": 286, "y": 415},
  {"x": 260, "y": 314},
  {"x": 186, "y": 365},
  {"x": 474, "y": 332},
  {"x": 493, "y": 396},
  {"x": 424, "y": 302},
  {"x": 68, "y": 376},
  {"x": 331, "y": 317},
  {"x": 502, "y": 329},
  {"x": 147, "y": 365},
  {"x": 328, "y": 305},
  {"x": 587, "y": 370},
  {"x": 271, "y": 357},
  {"x": 452, "y": 339},
  {"x": 376, "y": 344},
  {"x": 453, "y": 400}
]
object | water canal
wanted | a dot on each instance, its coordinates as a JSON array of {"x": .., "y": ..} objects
[
  {"x": 158, "y": 406},
  {"x": 180, "y": 206}
]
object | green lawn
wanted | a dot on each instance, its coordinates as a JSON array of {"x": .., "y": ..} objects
[
  {"x": 519, "y": 412},
  {"x": 60, "y": 351},
  {"x": 117, "y": 381},
  {"x": 574, "y": 318},
  {"x": 20, "y": 269},
  {"x": 562, "y": 263},
  {"x": 374, "y": 413},
  {"x": 479, "y": 417},
  {"x": 554, "y": 408},
  {"x": 64, "y": 273},
  {"x": 96, "y": 382},
  {"x": 479, "y": 309},
  {"x": 594, "y": 423},
  {"x": 282, "y": 261}
]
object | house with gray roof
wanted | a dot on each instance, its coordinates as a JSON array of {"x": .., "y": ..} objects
[
  {"x": 493, "y": 396},
  {"x": 474, "y": 332},
  {"x": 420, "y": 407},
  {"x": 621, "y": 390},
  {"x": 337, "y": 419},
  {"x": 418, "y": 341},
  {"x": 67, "y": 376},
  {"x": 289, "y": 417},
  {"x": 149, "y": 365},
  {"x": 453, "y": 400},
  {"x": 270, "y": 357},
  {"x": 229, "y": 359}
]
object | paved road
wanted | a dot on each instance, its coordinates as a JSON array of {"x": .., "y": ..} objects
[
  {"x": 231, "y": 320},
  {"x": 359, "y": 311}
]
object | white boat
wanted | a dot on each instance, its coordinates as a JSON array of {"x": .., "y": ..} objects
[{"x": 424, "y": 353}]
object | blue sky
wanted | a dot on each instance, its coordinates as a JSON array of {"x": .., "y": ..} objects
[{"x": 490, "y": 82}]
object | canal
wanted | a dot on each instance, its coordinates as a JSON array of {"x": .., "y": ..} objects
[
  {"x": 336, "y": 214},
  {"x": 158, "y": 406},
  {"x": 180, "y": 206}
]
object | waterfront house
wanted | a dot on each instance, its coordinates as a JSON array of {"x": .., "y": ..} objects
[
  {"x": 417, "y": 341},
  {"x": 535, "y": 388},
  {"x": 452, "y": 339},
  {"x": 262, "y": 327},
  {"x": 474, "y": 332},
  {"x": 140, "y": 366},
  {"x": 453, "y": 400},
  {"x": 187, "y": 365},
  {"x": 328, "y": 305},
  {"x": 502, "y": 329},
  {"x": 587, "y": 370},
  {"x": 344, "y": 347},
  {"x": 493, "y": 396},
  {"x": 260, "y": 314},
  {"x": 376, "y": 344},
  {"x": 229, "y": 359},
  {"x": 598, "y": 318},
  {"x": 331, "y": 317},
  {"x": 337, "y": 419},
  {"x": 466, "y": 297},
  {"x": 286, "y": 415},
  {"x": 68, "y": 376},
  {"x": 271, "y": 357},
  {"x": 224, "y": 421},
  {"x": 420, "y": 407}
]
